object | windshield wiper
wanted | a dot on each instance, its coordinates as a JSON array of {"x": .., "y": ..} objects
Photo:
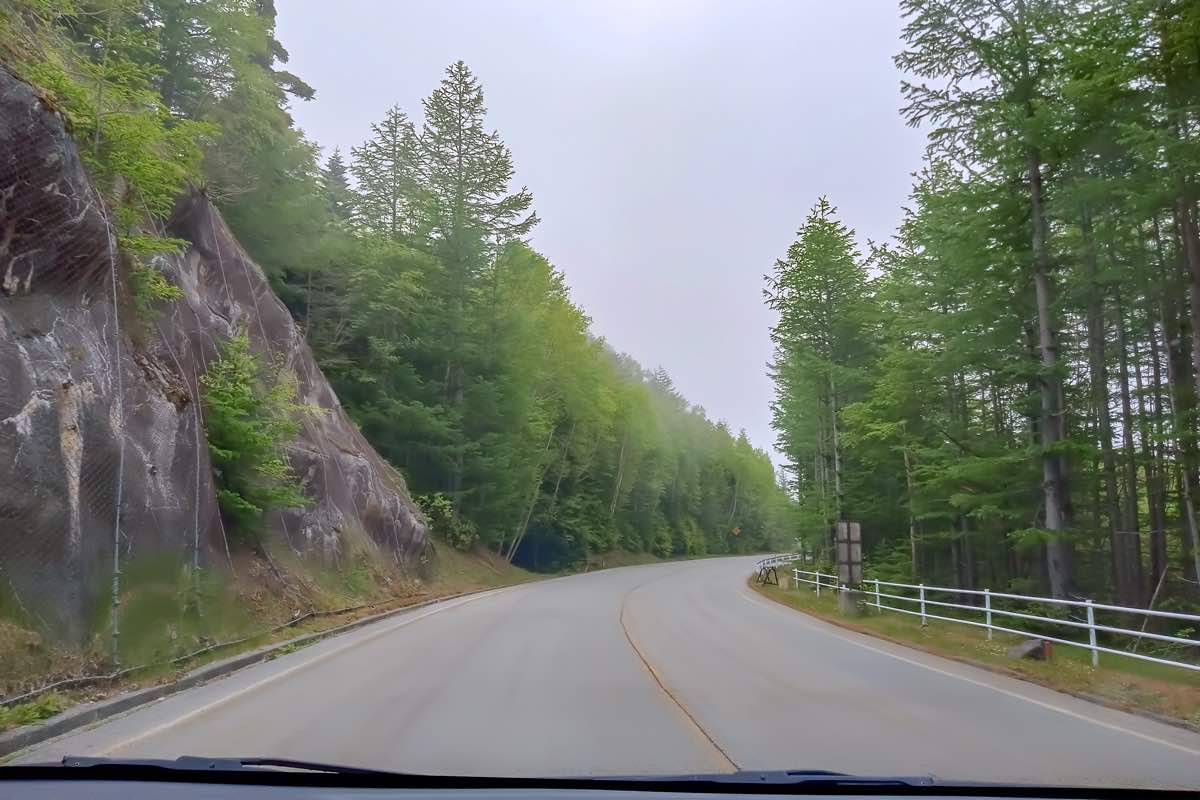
[
  {"x": 783, "y": 777},
  {"x": 194, "y": 764},
  {"x": 202, "y": 764},
  {"x": 292, "y": 772}
]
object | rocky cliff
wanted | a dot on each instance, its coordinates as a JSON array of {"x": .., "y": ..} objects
[{"x": 81, "y": 373}]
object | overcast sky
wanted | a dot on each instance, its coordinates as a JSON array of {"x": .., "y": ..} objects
[{"x": 672, "y": 146}]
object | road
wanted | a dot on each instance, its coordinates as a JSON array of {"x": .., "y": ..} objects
[{"x": 673, "y": 667}]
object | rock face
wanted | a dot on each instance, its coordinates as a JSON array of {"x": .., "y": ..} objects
[{"x": 80, "y": 374}]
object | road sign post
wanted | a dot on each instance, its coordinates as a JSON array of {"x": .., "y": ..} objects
[
  {"x": 848, "y": 539},
  {"x": 849, "y": 554}
]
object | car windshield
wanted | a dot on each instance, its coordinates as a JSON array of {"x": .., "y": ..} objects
[{"x": 604, "y": 388}]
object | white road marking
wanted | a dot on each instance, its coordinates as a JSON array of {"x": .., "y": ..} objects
[
  {"x": 197, "y": 712},
  {"x": 803, "y": 618}
]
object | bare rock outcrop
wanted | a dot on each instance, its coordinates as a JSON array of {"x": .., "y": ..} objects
[{"x": 80, "y": 374}]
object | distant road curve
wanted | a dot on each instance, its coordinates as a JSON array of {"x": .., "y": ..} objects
[{"x": 673, "y": 667}]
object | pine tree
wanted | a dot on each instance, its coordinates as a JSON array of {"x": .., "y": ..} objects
[
  {"x": 384, "y": 168},
  {"x": 820, "y": 293},
  {"x": 465, "y": 173},
  {"x": 337, "y": 186},
  {"x": 1001, "y": 122}
]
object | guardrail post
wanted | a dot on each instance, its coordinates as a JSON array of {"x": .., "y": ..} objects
[
  {"x": 987, "y": 605},
  {"x": 818, "y": 579},
  {"x": 877, "y": 606},
  {"x": 795, "y": 578},
  {"x": 924, "y": 622},
  {"x": 1091, "y": 617}
]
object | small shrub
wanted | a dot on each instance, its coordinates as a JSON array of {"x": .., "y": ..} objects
[
  {"x": 149, "y": 286},
  {"x": 460, "y": 532},
  {"x": 248, "y": 419},
  {"x": 37, "y": 710}
]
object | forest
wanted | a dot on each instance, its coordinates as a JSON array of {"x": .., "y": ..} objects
[
  {"x": 452, "y": 343},
  {"x": 1005, "y": 393}
]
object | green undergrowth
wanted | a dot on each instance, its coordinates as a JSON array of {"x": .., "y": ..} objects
[
  {"x": 37, "y": 710},
  {"x": 458, "y": 571},
  {"x": 168, "y": 610}
]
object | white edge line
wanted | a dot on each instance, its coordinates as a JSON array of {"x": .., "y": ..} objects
[
  {"x": 196, "y": 712},
  {"x": 1008, "y": 692}
]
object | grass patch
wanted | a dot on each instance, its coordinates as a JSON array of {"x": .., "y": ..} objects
[
  {"x": 1125, "y": 683},
  {"x": 37, "y": 710},
  {"x": 167, "y": 611},
  {"x": 455, "y": 571}
]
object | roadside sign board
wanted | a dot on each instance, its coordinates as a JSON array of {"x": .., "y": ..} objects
[{"x": 848, "y": 537}]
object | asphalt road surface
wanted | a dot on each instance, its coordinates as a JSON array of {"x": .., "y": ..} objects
[{"x": 665, "y": 668}]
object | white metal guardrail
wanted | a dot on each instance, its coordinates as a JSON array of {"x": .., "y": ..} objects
[
  {"x": 775, "y": 561},
  {"x": 819, "y": 580},
  {"x": 876, "y": 592}
]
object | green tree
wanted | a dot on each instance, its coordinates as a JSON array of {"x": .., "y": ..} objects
[
  {"x": 820, "y": 292},
  {"x": 248, "y": 418},
  {"x": 337, "y": 186},
  {"x": 384, "y": 168},
  {"x": 1003, "y": 120},
  {"x": 465, "y": 172}
]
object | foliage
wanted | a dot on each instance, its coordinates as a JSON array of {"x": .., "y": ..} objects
[
  {"x": 384, "y": 169},
  {"x": 467, "y": 365},
  {"x": 1017, "y": 373},
  {"x": 453, "y": 345},
  {"x": 149, "y": 287},
  {"x": 94, "y": 64},
  {"x": 36, "y": 710},
  {"x": 460, "y": 533},
  {"x": 248, "y": 418}
]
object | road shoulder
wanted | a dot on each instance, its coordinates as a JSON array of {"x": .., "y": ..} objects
[{"x": 1160, "y": 728}]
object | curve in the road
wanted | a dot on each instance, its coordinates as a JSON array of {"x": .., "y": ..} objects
[{"x": 668, "y": 668}]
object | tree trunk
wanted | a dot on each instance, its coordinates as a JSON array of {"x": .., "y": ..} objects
[
  {"x": 612, "y": 507},
  {"x": 964, "y": 561},
  {"x": 1156, "y": 499},
  {"x": 912, "y": 516},
  {"x": 1036, "y": 558},
  {"x": 1190, "y": 239},
  {"x": 838, "y": 497},
  {"x": 533, "y": 498},
  {"x": 1125, "y": 579},
  {"x": 733, "y": 508},
  {"x": 562, "y": 465},
  {"x": 1131, "y": 536},
  {"x": 456, "y": 476},
  {"x": 1183, "y": 404},
  {"x": 1058, "y": 549},
  {"x": 1156, "y": 463}
]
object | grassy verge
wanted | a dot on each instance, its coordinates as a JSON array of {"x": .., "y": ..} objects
[
  {"x": 166, "y": 615},
  {"x": 1124, "y": 683},
  {"x": 456, "y": 571}
]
